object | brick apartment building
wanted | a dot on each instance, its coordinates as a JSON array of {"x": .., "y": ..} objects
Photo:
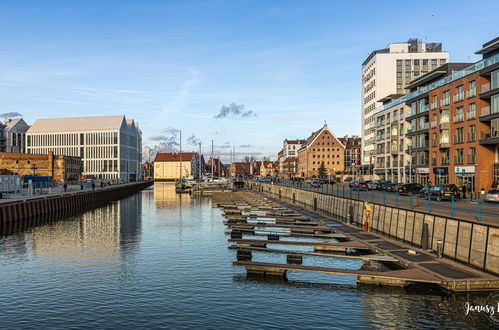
[
  {"x": 464, "y": 125},
  {"x": 60, "y": 168},
  {"x": 321, "y": 146}
]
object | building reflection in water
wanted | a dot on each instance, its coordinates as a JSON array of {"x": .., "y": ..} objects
[
  {"x": 166, "y": 197},
  {"x": 95, "y": 234}
]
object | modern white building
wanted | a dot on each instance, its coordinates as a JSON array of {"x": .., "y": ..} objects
[
  {"x": 392, "y": 160},
  {"x": 386, "y": 72},
  {"x": 110, "y": 146}
]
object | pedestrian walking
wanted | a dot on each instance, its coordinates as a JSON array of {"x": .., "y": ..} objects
[
  {"x": 81, "y": 185},
  {"x": 65, "y": 187},
  {"x": 93, "y": 185},
  {"x": 463, "y": 189}
]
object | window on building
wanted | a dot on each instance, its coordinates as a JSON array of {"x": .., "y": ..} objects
[
  {"x": 433, "y": 62},
  {"x": 472, "y": 112},
  {"x": 416, "y": 73},
  {"x": 459, "y": 137},
  {"x": 407, "y": 62},
  {"x": 416, "y": 62},
  {"x": 472, "y": 134},
  {"x": 459, "y": 117},
  {"x": 399, "y": 62},
  {"x": 472, "y": 89},
  {"x": 472, "y": 156},
  {"x": 408, "y": 74},
  {"x": 425, "y": 62},
  {"x": 459, "y": 158},
  {"x": 442, "y": 61}
]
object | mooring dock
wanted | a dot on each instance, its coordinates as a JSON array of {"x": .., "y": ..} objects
[{"x": 251, "y": 213}]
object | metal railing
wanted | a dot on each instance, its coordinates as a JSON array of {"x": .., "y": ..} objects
[
  {"x": 484, "y": 111},
  {"x": 485, "y": 88},
  {"x": 408, "y": 201}
]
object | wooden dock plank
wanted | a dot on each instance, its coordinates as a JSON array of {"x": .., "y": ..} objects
[{"x": 413, "y": 274}]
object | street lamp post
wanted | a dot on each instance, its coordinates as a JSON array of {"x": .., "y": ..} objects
[
  {"x": 410, "y": 163},
  {"x": 34, "y": 168}
]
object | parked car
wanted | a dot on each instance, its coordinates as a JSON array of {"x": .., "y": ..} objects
[
  {"x": 380, "y": 185},
  {"x": 361, "y": 186},
  {"x": 409, "y": 188},
  {"x": 374, "y": 184},
  {"x": 424, "y": 191},
  {"x": 492, "y": 195},
  {"x": 384, "y": 186},
  {"x": 444, "y": 191},
  {"x": 315, "y": 183},
  {"x": 391, "y": 187},
  {"x": 353, "y": 183}
]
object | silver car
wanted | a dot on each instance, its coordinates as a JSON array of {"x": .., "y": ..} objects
[{"x": 492, "y": 195}]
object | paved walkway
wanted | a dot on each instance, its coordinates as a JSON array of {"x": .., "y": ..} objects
[{"x": 463, "y": 209}]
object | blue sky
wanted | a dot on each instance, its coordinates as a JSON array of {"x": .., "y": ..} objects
[{"x": 174, "y": 64}]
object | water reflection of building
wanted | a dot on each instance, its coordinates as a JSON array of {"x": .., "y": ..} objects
[
  {"x": 95, "y": 234},
  {"x": 166, "y": 197}
]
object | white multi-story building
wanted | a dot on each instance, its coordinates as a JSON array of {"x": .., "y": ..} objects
[
  {"x": 392, "y": 162},
  {"x": 386, "y": 72},
  {"x": 288, "y": 158},
  {"x": 110, "y": 146}
]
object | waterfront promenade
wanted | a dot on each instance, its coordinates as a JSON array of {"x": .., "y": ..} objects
[
  {"x": 471, "y": 210},
  {"x": 23, "y": 195},
  {"x": 15, "y": 210}
]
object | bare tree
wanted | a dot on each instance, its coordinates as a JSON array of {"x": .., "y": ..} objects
[{"x": 248, "y": 159}]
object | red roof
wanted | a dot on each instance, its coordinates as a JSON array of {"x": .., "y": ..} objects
[
  {"x": 295, "y": 141},
  {"x": 174, "y": 156}
]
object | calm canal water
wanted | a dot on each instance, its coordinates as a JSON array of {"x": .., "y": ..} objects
[{"x": 157, "y": 259}]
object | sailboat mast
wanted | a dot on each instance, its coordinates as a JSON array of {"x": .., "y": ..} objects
[
  {"x": 212, "y": 161},
  {"x": 180, "y": 156}
]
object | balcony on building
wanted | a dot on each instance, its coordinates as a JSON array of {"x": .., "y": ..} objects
[
  {"x": 444, "y": 143},
  {"x": 394, "y": 148},
  {"x": 489, "y": 137}
]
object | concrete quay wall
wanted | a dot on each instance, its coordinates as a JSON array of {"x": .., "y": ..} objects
[
  {"x": 11, "y": 212},
  {"x": 465, "y": 241}
]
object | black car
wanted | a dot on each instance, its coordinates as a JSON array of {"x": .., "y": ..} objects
[
  {"x": 381, "y": 185},
  {"x": 409, "y": 188},
  {"x": 384, "y": 186},
  {"x": 391, "y": 187},
  {"x": 444, "y": 191}
]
